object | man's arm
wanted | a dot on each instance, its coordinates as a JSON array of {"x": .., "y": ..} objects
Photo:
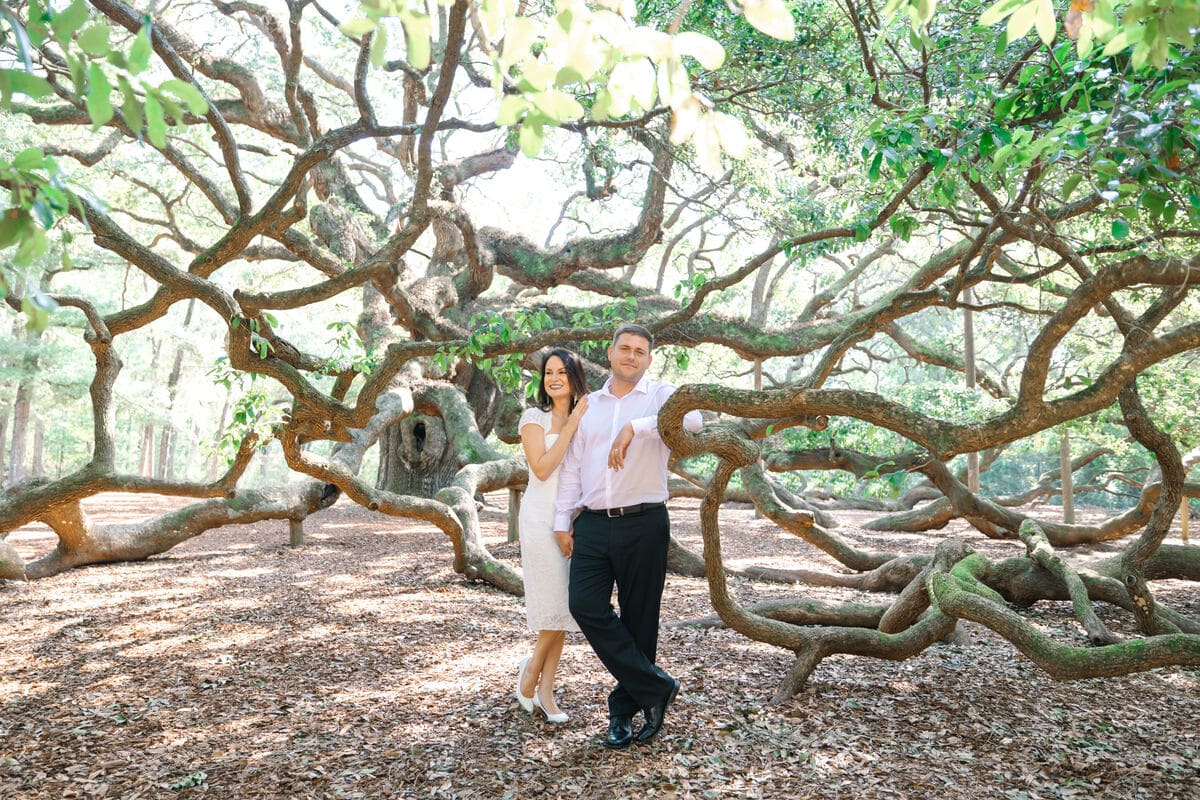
[
  {"x": 643, "y": 427},
  {"x": 570, "y": 493}
]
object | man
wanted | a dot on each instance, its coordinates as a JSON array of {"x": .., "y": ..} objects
[{"x": 613, "y": 486}]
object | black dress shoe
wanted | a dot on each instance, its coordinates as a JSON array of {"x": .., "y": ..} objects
[
  {"x": 620, "y": 732},
  {"x": 655, "y": 715}
]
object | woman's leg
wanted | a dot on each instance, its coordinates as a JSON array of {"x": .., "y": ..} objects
[
  {"x": 537, "y": 661},
  {"x": 545, "y": 687}
]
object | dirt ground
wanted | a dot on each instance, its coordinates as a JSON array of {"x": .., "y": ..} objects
[{"x": 362, "y": 666}]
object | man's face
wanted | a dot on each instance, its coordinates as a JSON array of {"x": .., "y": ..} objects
[{"x": 629, "y": 357}]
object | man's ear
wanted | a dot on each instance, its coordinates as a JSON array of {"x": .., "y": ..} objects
[
  {"x": 608, "y": 353},
  {"x": 649, "y": 359}
]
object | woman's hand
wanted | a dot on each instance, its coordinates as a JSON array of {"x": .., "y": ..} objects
[
  {"x": 577, "y": 413},
  {"x": 566, "y": 542}
]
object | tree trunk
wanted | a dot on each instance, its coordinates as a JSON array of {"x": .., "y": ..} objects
[
  {"x": 20, "y": 431},
  {"x": 164, "y": 445},
  {"x": 415, "y": 457},
  {"x": 37, "y": 467},
  {"x": 3, "y": 442},
  {"x": 146, "y": 459},
  {"x": 214, "y": 460}
]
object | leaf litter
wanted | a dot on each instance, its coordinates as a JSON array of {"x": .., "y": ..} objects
[{"x": 362, "y": 666}]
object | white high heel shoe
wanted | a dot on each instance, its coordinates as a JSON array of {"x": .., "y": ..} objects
[
  {"x": 556, "y": 719},
  {"x": 526, "y": 703}
]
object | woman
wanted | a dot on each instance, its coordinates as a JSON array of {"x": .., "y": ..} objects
[{"x": 546, "y": 432}]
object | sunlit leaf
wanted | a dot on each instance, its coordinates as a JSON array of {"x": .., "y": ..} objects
[
  {"x": 1022, "y": 20},
  {"x": 708, "y": 52},
  {"x": 417, "y": 30},
  {"x": 518, "y": 39},
  {"x": 512, "y": 107},
  {"x": 358, "y": 27},
  {"x": 531, "y": 138},
  {"x": 684, "y": 118},
  {"x": 379, "y": 46},
  {"x": 772, "y": 17},
  {"x": 1046, "y": 22}
]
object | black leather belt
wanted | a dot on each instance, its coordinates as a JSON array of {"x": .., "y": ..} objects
[{"x": 624, "y": 511}]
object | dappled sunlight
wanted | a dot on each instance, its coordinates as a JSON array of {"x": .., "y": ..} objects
[{"x": 371, "y": 665}]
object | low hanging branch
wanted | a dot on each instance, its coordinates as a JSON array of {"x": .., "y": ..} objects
[{"x": 1041, "y": 551}]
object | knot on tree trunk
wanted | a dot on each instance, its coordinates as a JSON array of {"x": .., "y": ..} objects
[{"x": 423, "y": 441}]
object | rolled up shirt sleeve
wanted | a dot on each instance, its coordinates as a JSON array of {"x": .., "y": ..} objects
[{"x": 648, "y": 426}]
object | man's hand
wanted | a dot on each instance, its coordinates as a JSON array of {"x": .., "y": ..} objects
[
  {"x": 620, "y": 446},
  {"x": 566, "y": 542}
]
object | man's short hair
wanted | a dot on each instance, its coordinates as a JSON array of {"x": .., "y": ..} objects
[{"x": 636, "y": 330}]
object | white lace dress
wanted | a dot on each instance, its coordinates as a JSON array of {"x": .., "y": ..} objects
[{"x": 545, "y": 568}]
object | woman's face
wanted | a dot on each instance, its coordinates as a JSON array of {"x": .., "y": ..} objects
[{"x": 555, "y": 382}]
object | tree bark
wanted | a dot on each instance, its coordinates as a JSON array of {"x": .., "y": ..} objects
[
  {"x": 22, "y": 408},
  {"x": 37, "y": 467}
]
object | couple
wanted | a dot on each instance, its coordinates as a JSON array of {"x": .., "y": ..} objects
[{"x": 595, "y": 515}]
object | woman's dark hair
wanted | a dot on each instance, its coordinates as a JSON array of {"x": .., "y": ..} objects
[{"x": 575, "y": 378}]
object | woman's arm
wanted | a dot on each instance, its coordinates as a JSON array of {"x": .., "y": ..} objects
[{"x": 543, "y": 461}]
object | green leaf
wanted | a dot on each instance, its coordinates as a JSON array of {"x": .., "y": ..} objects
[
  {"x": 999, "y": 11},
  {"x": 1046, "y": 21},
  {"x": 94, "y": 40},
  {"x": 99, "y": 106},
  {"x": 131, "y": 107},
  {"x": 1022, "y": 20},
  {"x": 32, "y": 158},
  {"x": 30, "y": 85},
  {"x": 379, "y": 47},
  {"x": 1004, "y": 107},
  {"x": 417, "y": 30},
  {"x": 512, "y": 107},
  {"x": 358, "y": 27},
  {"x": 32, "y": 246},
  {"x": 518, "y": 38},
  {"x": 189, "y": 94},
  {"x": 156, "y": 126},
  {"x": 1120, "y": 229},
  {"x": 139, "y": 53},
  {"x": 557, "y": 105},
  {"x": 1070, "y": 184},
  {"x": 12, "y": 225},
  {"x": 66, "y": 22},
  {"x": 531, "y": 137},
  {"x": 37, "y": 318},
  {"x": 23, "y": 44}
]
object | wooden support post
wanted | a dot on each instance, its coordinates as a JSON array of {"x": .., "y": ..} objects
[
  {"x": 296, "y": 532},
  {"x": 1068, "y": 479},
  {"x": 969, "y": 372},
  {"x": 514, "y": 513},
  {"x": 1183, "y": 519},
  {"x": 758, "y": 388}
]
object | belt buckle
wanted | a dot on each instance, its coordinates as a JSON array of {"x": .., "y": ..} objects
[{"x": 608, "y": 512}]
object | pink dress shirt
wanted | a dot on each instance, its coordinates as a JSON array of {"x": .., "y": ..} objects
[{"x": 587, "y": 481}]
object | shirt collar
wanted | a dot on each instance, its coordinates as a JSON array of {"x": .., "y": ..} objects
[{"x": 642, "y": 386}]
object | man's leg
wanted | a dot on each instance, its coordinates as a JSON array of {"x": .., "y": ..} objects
[
  {"x": 593, "y": 566},
  {"x": 640, "y": 576}
]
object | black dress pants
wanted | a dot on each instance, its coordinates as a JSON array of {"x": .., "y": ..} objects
[{"x": 630, "y": 552}]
